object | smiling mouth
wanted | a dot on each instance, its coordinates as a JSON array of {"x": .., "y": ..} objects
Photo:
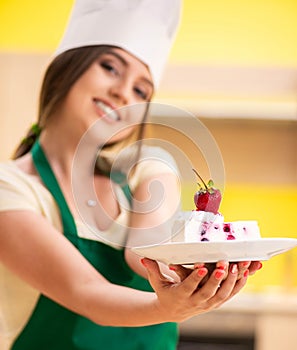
[{"x": 108, "y": 111}]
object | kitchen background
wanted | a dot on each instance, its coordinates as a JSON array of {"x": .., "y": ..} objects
[{"x": 234, "y": 69}]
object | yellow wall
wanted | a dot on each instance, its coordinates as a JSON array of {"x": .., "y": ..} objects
[
  {"x": 249, "y": 32},
  {"x": 32, "y": 25}
]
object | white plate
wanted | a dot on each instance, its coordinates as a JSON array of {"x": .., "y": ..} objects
[{"x": 190, "y": 253}]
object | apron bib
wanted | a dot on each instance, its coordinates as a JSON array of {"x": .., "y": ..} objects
[{"x": 53, "y": 327}]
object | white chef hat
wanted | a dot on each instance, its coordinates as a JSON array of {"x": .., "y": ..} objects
[{"x": 145, "y": 28}]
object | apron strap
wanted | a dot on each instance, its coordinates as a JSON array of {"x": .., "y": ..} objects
[{"x": 45, "y": 171}]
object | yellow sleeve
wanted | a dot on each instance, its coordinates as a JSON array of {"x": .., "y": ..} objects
[
  {"x": 20, "y": 191},
  {"x": 15, "y": 193}
]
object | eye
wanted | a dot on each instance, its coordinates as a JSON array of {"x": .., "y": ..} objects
[
  {"x": 142, "y": 93},
  {"x": 109, "y": 67}
]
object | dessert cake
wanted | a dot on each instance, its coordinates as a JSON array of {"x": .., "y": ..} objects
[{"x": 207, "y": 224}]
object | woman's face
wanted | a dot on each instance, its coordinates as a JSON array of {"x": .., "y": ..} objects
[{"x": 115, "y": 80}]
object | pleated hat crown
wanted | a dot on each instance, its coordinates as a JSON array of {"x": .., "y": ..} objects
[{"x": 144, "y": 28}]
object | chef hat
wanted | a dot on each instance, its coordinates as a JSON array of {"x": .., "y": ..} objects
[{"x": 145, "y": 28}]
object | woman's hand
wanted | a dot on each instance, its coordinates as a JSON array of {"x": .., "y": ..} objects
[{"x": 189, "y": 297}]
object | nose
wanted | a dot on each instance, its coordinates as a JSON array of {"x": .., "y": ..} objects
[{"x": 120, "y": 92}]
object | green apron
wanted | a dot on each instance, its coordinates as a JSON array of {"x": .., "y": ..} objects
[{"x": 52, "y": 327}]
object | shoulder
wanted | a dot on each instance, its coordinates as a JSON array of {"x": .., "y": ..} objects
[
  {"x": 156, "y": 160},
  {"x": 10, "y": 174},
  {"x": 154, "y": 153},
  {"x": 153, "y": 162},
  {"x": 7, "y": 167},
  {"x": 18, "y": 189}
]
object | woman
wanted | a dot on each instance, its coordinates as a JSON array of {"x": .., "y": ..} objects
[{"x": 67, "y": 282}]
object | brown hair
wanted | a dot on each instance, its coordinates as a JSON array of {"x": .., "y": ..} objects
[{"x": 59, "y": 77}]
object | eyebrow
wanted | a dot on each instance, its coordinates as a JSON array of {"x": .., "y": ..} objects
[{"x": 126, "y": 64}]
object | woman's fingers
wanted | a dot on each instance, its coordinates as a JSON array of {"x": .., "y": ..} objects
[
  {"x": 211, "y": 287},
  {"x": 239, "y": 284},
  {"x": 181, "y": 271},
  {"x": 222, "y": 283},
  {"x": 155, "y": 277},
  {"x": 198, "y": 291},
  {"x": 228, "y": 285},
  {"x": 218, "y": 289},
  {"x": 243, "y": 266},
  {"x": 184, "y": 288},
  {"x": 250, "y": 267},
  {"x": 189, "y": 285},
  {"x": 254, "y": 267}
]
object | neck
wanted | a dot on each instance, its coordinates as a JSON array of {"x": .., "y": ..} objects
[{"x": 67, "y": 153}]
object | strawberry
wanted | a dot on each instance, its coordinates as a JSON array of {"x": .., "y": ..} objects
[{"x": 207, "y": 198}]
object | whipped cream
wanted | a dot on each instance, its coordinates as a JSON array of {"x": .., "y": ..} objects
[{"x": 200, "y": 226}]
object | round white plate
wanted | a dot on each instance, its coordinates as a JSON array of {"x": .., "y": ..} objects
[{"x": 190, "y": 253}]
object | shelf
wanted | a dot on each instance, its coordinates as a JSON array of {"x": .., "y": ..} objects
[{"x": 213, "y": 108}]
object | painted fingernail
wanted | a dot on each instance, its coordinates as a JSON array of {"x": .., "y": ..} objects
[
  {"x": 246, "y": 273},
  {"x": 198, "y": 266},
  {"x": 221, "y": 265},
  {"x": 245, "y": 263},
  {"x": 173, "y": 268},
  {"x": 143, "y": 262},
  {"x": 260, "y": 265},
  {"x": 202, "y": 272},
  {"x": 234, "y": 268},
  {"x": 219, "y": 274}
]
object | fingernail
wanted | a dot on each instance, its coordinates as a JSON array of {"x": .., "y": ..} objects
[
  {"x": 260, "y": 265},
  {"x": 219, "y": 274},
  {"x": 221, "y": 265},
  {"x": 143, "y": 262},
  {"x": 173, "y": 268},
  {"x": 246, "y": 273},
  {"x": 202, "y": 272},
  {"x": 198, "y": 266},
  {"x": 245, "y": 263},
  {"x": 234, "y": 268}
]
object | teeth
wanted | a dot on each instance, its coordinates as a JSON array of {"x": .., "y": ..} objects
[{"x": 108, "y": 111}]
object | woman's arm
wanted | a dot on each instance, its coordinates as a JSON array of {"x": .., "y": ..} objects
[
  {"x": 44, "y": 258},
  {"x": 155, "y": 203}
]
